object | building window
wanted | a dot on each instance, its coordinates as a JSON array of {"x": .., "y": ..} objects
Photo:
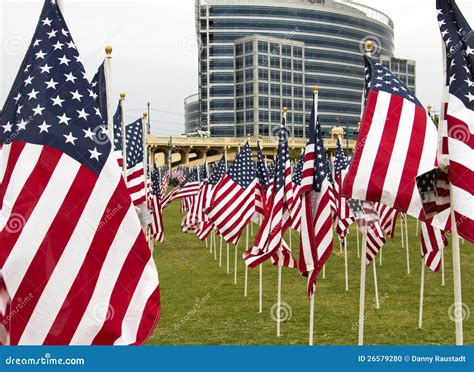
[
  {"x": 298, "y": 78},
  {"x": 263, "y": 102},
  {"x": 275, "y": 49},
  {"x": 240, "y": 118},
  {"x": 287, "y": 103},
  {"x": 298, "y": 92},
  {"x": 263, "y": 116},
  {"x": 263, "y": 74},
  {"x": 411, "y": 69},
  {"x": 286, "y": 63},
  {"x": 239, "y": 50},
  {"x": 287, "y": 90},
  {"x": 263, "y": 88},
  {"x": 276, "y": 103},
  {"x": 275, "y": 90},
  {"x": 249, "y": 47},
  {"x": 275, "y": 116},
  {"x": 275, "y": 62},
  {"x": 298, "y": 118},
  {"x": 249, "y": 116},
  {"x": 248, "y": 61},
  {"x": 263, "y": 47},
  {"x": 240, "y": 103},
  {"x": 275, "y": 76},
  {"x": 249, "y": 89},
  {"x": 239, "y": 90},
  {"x": 298, "y": 65},
  {"x": 297, "y": 52},
  {"x": 286, "y": 50},
  {"x": 239, "y": 76},
  {"x": 249, "y": 74},
  {"x": 298, "y": 105},
  {"x": 286, "y": 77},
  {"x": 262, "y": 61},
  {"x": 239, "y": 63}
]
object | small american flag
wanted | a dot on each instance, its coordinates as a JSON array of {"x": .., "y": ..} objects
[
  {"x": 296, "y": 206},
  {"x": 135, "y": 173},
  {"x": 364, "y": 213},
  {"x": 157, "y": 225},
  {"x": 98, "y": 90},
  {"x": 263, "y": 184},
  {"x": 233, "y": 202},
  {"x": 433, "y": 241},
  {"x": 433, "y": 187},
  {"x": 388, "y": 219}
]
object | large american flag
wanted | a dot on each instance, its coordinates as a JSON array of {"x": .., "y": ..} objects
[
  {"x": 316, "y": 235},
  {"x": 397, "y": 142},
  {"x": 70, "y": 237},
  {"x": 135, "y": 173},
  {"x": 233, "y": 202},
  {"x": 98, "y": 90},
  {"x": 459, "y": 113},
  {"x": 269, "y": 241}
]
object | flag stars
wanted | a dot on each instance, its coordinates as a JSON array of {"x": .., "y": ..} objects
[
  {"x": 45, "y": 69},
  {"x": 17, "y": 98},
  {"x": 19, "y": 108},
  {"x": 36, "y": 43},
  {"x": 82, "y": 114},
  {"x": 64, "y": 60},
  {"x": 76, "y": 95},
  {"x": 70, "y": 77},
  {"x": 44, "y": 127},
  {"x": 71, "y": 45},
  {"x": 88, "y": 133},
  {"x": 7, "y": 127},
  {"x": 29, "y": 80},
  {"x": 52, "y": 34},
  {"x": 57, "y": 101},
  {"x": 51, "y": 84},
  {"x": 63, "y": 119},
  {"x": 470, "y": 97},
  {"x": 32, "y": 94},
  {"x": 70, "y": 138},
  {"x": 58, "y": 45},
  {"x": 38, "y": 110},
  {"x": 46, "y": 22},
  {"x": 95, "y": 154},
  {"x": 22, "y": 125}
]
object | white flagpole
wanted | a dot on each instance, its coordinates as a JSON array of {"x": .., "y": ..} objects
[
  {"x": 311, "y": 317},
  {"x": 251, "y": 228},
  {"x": 228, "y": 259},
  {"x": 220, "y": 252},
  {"x": 363, "y": 267},
  {"x": 324, "y": 272},
  {"x": 422, "y": 294},
  {"x": 260, "y": 289},
  {"x": 381, "y": 256},
  {"x": 207, "y": 245},
  {"x": 458, "y": 305},
  {"x": 443, "y": 282},
  {"x": 210, "y": 244},
  {"x": 124, "y": 133},
  {"x": 407, "y": 245},
  {"x": 246, "y": 267},
  {"x": 108, "y": 89},
  {"x": 215, "y": 248},
  {"x": 279, "y": 295},
  {"x": 402, "y": 233},
  {"x": 346, "y": 267},
  {"x": 358, "y": 246},
  {"x": 235, "y": 263},
  {"x": 376, "y": 285}
]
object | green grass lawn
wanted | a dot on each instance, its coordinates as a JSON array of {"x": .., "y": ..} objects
[{"x": 202, "y": 306}]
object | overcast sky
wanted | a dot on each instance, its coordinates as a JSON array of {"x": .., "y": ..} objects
[{"x": 155, "y": 52}]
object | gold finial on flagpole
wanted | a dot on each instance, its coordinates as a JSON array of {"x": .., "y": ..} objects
[
  {"x": 108, "y": 50},
  {"x": 122, "y": 95},
  {"x": 430, "y": 107},
  {"x": 315, "y": 89},
  {"x": 369, "y": 45},
  {"x": 145, "y": 115},
  {"x": 285, "y": 109}
]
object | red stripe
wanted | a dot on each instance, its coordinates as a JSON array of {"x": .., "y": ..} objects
[
  {"x": 150, "y": 317},
  {"x": 15, "y": 150}
]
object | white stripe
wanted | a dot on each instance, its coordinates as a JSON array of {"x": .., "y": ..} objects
[
  {"x": 369, "y": 154},
  {"x": 462, "y": 202},
  {"x": 145, "y": 288},
  {"x": 399, "y": 154},
  {"x": 92, "y": 321},
  {"x": 457, "y": 109},
  {"x": 461, "y": 153},
  {"x": 68, "y": 266},
  {"x": 35, "y": 229},
  {"x": 25, "y": 164},
  {"x": 4, "y": 155}
]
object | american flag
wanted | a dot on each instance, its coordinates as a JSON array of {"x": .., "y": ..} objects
[
  {"x": 364, "y": 213},
  {"x": 196, "y": 209},
  {"x": 388, "y": 219},
  {"x": 397, "y": 142},
  {"x": 263, "y": 184},
  {"x": 135, "y": 173},
  {"x": 233, "y": 202},
  {"x": 375, "y": 241},
  {"x": 206, "y": 226},
  {"x": 98, "y": 90},
  {"x": 434, "y": 190},
  {"x": 316, "y": 236},
  {"x": 118, "y": 137},
  {"x": 457, "y": 35},
  {"x": 296, "y": 206},
  {"x": 70, "y": 236},
  {"x": 164, "y": 181},
  {"x": 179, "y": 175},
  {"x": 187, "y": 189},
  {"x": 157, "y": 226},
  {"x": 277, "y": 219},
  {"x": 341, "y": 166},
  {"x": 433, "y": 241}
]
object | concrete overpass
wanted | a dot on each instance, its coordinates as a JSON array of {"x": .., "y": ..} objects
[{"x": 192, "y": 151}]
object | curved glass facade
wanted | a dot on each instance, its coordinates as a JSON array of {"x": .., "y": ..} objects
[
  {"x": 259, "y": 56},
  {"x": 192, "y": 115}
]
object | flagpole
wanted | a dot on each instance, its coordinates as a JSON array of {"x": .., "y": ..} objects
[
  {"x": 108, "y": 90},
  {"x": 443, "y": 282},
  {"x": 358, "y": 246},
  {"x": 260, "y": 281},
  {"x": 407, "y": 245},
  {"x": 402, "y": 234},
  {"x": 124, "y": 133},
  {"x": 280, "y": 267},
  {"x": 458, "y": 305},
  {"x": 220, "y": 252},
  {"x": 235, "y": 263},
  {"x": 246, "y": 267},
  {"x": 422, "y": 294},
  {"x": 346, "y": 268},
  {"x": 215, "y": 248},
  {"x": 376, "y": 285},
  {"x": 145, "y": 170},
  {"x": 363, "y": 267},
  {"x": 228, "y": 259},
  {"x": 311, "y": 315},
  {"x": 381, "y": 256},
  {"x": 417, "y": 227}
]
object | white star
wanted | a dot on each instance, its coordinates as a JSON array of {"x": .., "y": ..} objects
[
  {"x": 22, "y": 124},
  {"x": 17, "y": 97},
  {"x": 95, "y": 154},
  {"x": 58, "y": 45},
  {"x": 442, "y": 23},
  {"x": 45, "y": 68},
  {"x": 7, "y": 127},
  {"x": 469, "y": 82},
  {"x": 29, "y": 80},
  {"x": 92, "y": 94},
  {"x": 469, "y": 50},
  {"x": 51, "y": 84},
  {"x": 70, "y": 138},
  {"x": 38, "y": 110},
  {"x": 36, "y": 43},
  {"x": 444, "y": 33},
  {"x": 64, "y": 119},
  {"x": 46, "y": 21},
  {"x": 64, "y": 32},
  {"x": 449, "y": 41},
  {"x": 44, "y": 127},
  {"x": 18, "y": 110},
  {"x": 70, "y": 77},
  {"x": 57, "y": 101},
  {"x": 76, "y": 95},
  {"x": 40, "y": 54},
  {"x": 27, "y": 68},
  {"x": 32, "y": 94},
  {"x": 71, "y": 45},
  {"x": 452, "y": 79},
  {"x": 439, "y": 12},
  {"x": 52, "y": 33},
  {"x": 88, "y": 133},
  {"x": 470, "y": 96},
  {"x": 395, "y": 89},
  {"x": 467, "y": 69},
  {"x": 97, "y": 112},
  {"x": 83, "y": 114},
  {"x": 64, "y": 61}
]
